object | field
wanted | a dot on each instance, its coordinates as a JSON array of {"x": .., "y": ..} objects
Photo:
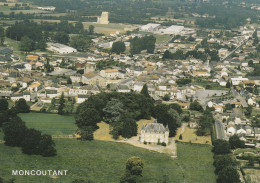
[
  {"x": 52, "y": 124},
  {"x": 109, "y": 28},
  {"x": 161, "y": 38},
  {"x": 103, "y": 161},
  {"x": 189, "y": 135}
]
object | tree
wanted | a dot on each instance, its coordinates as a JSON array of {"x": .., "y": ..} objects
[
  {"x": 26, "y": 44},
  {"x": 134, "y": 169},
  {"x": 235, "y": 142},
  {"x": 48, "y": 67},
  {"x": 14, "y": 132},
  {"x": 129, "y": 127},
  {"x": 88, "y": 117},
  {"x": 228, "y": 106},
  {"x": 221, "y": 147},
  {"x": 41, "y": 45},
  {"x": 31, "y": 141},
  {"x": 91, "y": 30},
  {"x": 166, "y": 54},
  {"x": 113, "y": 111},
  {"x": 79, "y": 27},
  {"x": 86, "y": 133},
  {"x": 183, "y": 81},
  {"x": 46, "y": 146},
  {"x": 249, "y": 111},
  {"x": 2, "y": 36},
  {"x": 176, "y": 107},
  {"x": 228, "y": 85},
  {"x": 166, "y": 97},
  {"x": 222, "y": 161},
  {"x": 228, "y": 174},
  {"x": 3, "y": 104},
  {"x": 21, "y": 106},
  {"x": 205, "y": 123},
  {"x": 251, "y": 63},
  {"x": 61, "y": 104},
  {"x": 144, "y": 91},
  {"x": 80, "y": 43},
  {"x": 118, "y": 47},
  {"x": 61, "y": 37},
  {"x": 196, "y": 106}
]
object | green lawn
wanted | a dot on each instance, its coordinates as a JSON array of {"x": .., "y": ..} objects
[
  {"x": 104, "y": 162},
  {"x": 52, "y": 124}
]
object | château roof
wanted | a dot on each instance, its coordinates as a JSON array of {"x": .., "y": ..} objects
[{"x": 155, "y": 127}]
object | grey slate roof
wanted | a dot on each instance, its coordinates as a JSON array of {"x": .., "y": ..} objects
[{"x": 155, "y": 127}]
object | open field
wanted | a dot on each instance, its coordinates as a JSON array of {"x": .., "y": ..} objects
[
  {"x": 109, "y": 28},
  {"x": 52, "y": 124},
  {"x": 103, "y": 162},
  {"x": 161, "y": 38},
  {"x": 189, "y": 135},
  {"x": 15, "y": 45}
]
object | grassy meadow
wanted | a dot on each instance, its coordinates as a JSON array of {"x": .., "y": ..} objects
[
  {"x": 103, "y": 161},
  {"x": 52, "y": 124}
]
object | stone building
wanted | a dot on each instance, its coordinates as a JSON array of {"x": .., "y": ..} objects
[
  {"x": 103, "y": 19},
  {"x": 154, "y": 133}
]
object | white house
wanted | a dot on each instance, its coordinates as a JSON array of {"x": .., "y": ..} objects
[
  {"x": 109, "y": 73},
  {"x": 154, "y": 133}
]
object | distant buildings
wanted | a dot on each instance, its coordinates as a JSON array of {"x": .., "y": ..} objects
[
  {"x": 103, "y": 19},
  {"x": 47, "y": 8},
  {"x": 150, "y": 27},
  {"x": 60, "y": 48},
  {"x": 174, "y": 29}
]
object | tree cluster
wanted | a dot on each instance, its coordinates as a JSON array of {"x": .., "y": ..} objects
[
  {"x": 118, "y": 47},
  {"x": 168, "y": 115},
  {"x": 235, "y": 142},
  {"x": 119, "y": 110},
  {"x": 144, "y": 43},
  {"x": 224, "y": 162},
  {"x": 195, "y": 106},
  {"x": 16, "y": 134},
  {"x": 133, "y": 171},
  {"x": 205, "y": 123}
]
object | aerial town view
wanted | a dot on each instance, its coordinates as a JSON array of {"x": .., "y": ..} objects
[{"x": 129, "y": 91}]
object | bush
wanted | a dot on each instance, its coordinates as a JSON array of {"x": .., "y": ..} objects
[
  {"x": 163, "y": 144},
  {"x": 180, "y": 137}
]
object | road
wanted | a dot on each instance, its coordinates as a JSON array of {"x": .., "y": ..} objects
[
  {"x": 220, "y": 130},
  {"x": 239, "y": 97},
  {"x": 243, "y": 43}
]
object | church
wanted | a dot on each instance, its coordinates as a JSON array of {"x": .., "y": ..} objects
[{"x": 154, "y": 133}]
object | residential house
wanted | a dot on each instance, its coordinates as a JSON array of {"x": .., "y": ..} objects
[
  {"x": 92, "y": 78},
  {"x": 110, "y": 73}
]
